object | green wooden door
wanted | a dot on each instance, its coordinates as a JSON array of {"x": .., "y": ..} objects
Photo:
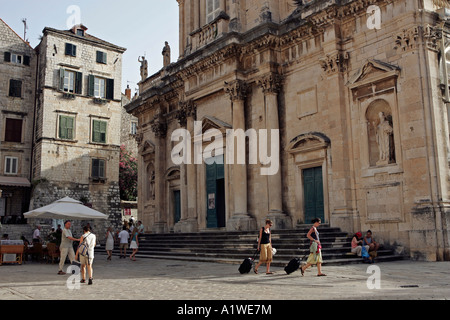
[
  {"x": 313, "y": 194},
  {"x": 215, "y": 194},
  {"x": 177, "y": 205}
]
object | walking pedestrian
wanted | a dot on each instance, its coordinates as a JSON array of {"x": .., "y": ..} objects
[
  {"x": 66, "y": 247},
  {"x": 123, "y": 236},
  {"x": 265, "y": 247},
  {"x": 315, "y": 256},
  {"x": 134, "y": 244},
  {"x": 87, "y": 256},
  {"x": 109, "y": 243}
]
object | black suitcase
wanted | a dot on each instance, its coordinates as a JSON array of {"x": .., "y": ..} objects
[
  {"x": 247, "y": 264},
  {"x": 292, "y": 266}
]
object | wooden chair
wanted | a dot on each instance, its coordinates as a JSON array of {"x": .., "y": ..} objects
[
  {"x": 37, "y": 251},
  {"x": 52, "y": 252}
]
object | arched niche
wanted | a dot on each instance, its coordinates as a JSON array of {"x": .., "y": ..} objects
[{"x": 380, "y": 132}]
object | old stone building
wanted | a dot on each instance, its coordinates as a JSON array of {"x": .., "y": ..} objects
[
  {"x": 17, "y": 88},
  {"x": 78, "y": 120},
  {"x": 352, "y": 96}
]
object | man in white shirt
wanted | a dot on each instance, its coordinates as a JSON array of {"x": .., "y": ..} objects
[
  {"x": 66, "y": 246},
  {"x": 37, "y": 235},
  {"x": 87, "y": 258},
  {"x": 123, "y": 236}
]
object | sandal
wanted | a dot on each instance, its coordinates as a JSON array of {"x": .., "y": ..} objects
[
  {"x": 322, "y": 275},
  {"x": 269, "y": 272},
  {"x": 302, "y": 271},
  {"x": 255, "y": 271}
]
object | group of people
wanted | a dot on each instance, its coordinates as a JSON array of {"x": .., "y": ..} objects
[
  {"x": 365, "y": 247},
  {"x": 359, "y": 245},
  {"x": 84, "y": 252},
  {"x": 266, "y": 250},
  {"x": 127, "y": 238}
]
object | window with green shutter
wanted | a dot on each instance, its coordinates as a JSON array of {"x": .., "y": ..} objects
[
  {"x": 66, "y": 127},
  {"x": 101, "y": 57},
  {"x": 98, "y": 168},
  {"x": 99, "y": 131},
  {"x": 71, "y": 50}
]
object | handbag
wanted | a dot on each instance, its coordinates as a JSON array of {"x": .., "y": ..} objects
[{"x": 274, "y": 251}]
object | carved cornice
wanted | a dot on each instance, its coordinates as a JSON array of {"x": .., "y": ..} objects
[
  {"x": 237, "y": 90},
  {"x": 214, "y": 59}
]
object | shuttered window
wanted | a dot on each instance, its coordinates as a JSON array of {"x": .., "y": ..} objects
[
  {"x": 101, "y": 57},
  {"x": 98, "y": 168},
  {"x": 101, "y": 87},
  {"x": 99, "y": 131},
  {"x": 15, "y": 88},
  {"x": 70, "y": 81},
  {"x": 13, "y": 130},
  {"x": 66, "y": 127},
  {"x": 71, "y": 50}
]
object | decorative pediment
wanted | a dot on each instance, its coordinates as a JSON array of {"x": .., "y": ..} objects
[
  {"x": 209, "y": 122},
  {"x": 307, "y": 142},
  {"x": 373, "y": 71},
  {"x": 147, "y": 148}
]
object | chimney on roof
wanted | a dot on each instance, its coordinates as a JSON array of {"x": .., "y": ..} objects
[{"x": 128, "y": 92}]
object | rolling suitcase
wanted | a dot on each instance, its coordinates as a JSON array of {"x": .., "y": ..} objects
[
  {"x": 247, "y": 264},
  {"x": 293, "y": 265}
]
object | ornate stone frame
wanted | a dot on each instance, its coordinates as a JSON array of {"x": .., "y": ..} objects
[{"x": 310, "y": 150}]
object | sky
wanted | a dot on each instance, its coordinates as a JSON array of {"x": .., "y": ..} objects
[{"x": 141, "y": 26}]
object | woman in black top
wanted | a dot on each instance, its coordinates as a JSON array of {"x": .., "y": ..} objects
[{"x": 265, "y": 247}]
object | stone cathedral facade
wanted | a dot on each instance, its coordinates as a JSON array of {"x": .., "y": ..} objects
[{"x": 357, "y": 91}]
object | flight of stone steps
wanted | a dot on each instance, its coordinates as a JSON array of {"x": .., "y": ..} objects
[{"x": 234, "y": 247}]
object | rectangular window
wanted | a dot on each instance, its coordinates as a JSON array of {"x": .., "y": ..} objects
[
  {"x": 212, "y": 10},
  {"x": 99, "y": 131},
  {"x": 66, "y": 127},
  {"x": 70, "y": 81},
  {"x": 101, "y": 57},
  {"x": 11, "y": 165},
  {"x": 134, "y": 125},
  {"x": 13, "y": 130},
  {"x": 98, "y": 168},
  {"x": 100, "y": 88},
  {"x": 15, "y": 88},
  {"x": 71, "y": 50}
]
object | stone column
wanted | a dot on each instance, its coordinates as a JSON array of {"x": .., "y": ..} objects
[
  {"x": 189, "y": 217},
  {"x": 181, "y": 27},
  {"x": 271, "y": 85},
  {"x": 240, "y": 219},
  {"x": 159, "y": 127}
]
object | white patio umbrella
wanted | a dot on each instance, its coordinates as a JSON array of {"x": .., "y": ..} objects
[{"x": 66, "y": 208}]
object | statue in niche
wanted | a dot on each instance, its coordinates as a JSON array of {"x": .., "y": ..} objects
[
  {"x": 384, "y": 133},
  {"x": 144, "y": 68},
  {"x": 152, "y": 186},
  {"x": 166, "y": 54}
]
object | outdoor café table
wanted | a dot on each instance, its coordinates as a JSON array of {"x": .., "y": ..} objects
[{"x": 14, "y": 247}]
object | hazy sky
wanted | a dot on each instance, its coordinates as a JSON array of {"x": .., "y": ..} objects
[{"x": 141, "y": 26}]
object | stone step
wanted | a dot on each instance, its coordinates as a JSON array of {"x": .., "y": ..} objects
[{"x": 234, "y": 247}]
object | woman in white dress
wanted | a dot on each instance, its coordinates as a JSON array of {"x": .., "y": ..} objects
[{"x": 109, "y": 242}]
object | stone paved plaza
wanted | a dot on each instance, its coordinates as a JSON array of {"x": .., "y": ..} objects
[{"x": 152, "y": 279}]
